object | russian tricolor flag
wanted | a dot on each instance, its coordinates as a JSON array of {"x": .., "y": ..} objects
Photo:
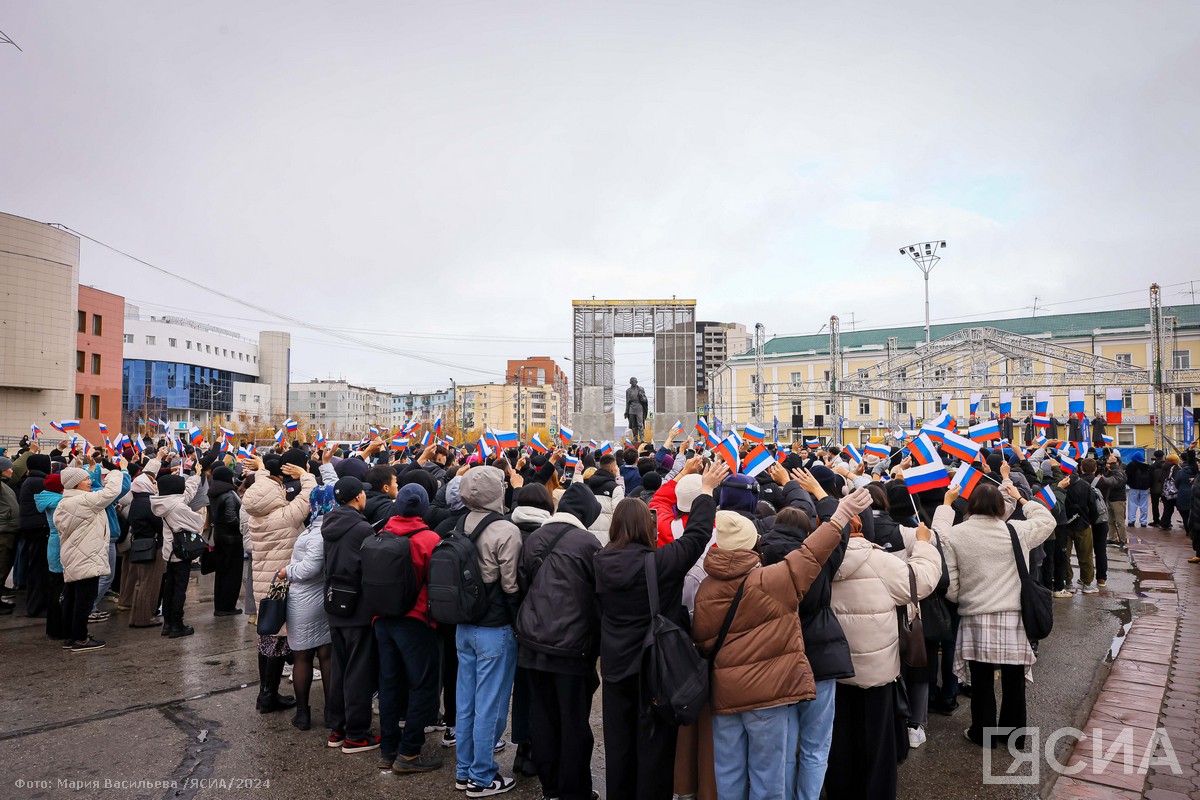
[
  {"x": 69, "y": 425},
  {"x": 901, "y": 436},
  {"x": 754, "y": 434},
  {"x": 676, "y": 430},
  {"x": 702, "y": 428},
  {"x": 1075, "y": 403},
  {"x": 960, "y": 447},
  {"x": 278, "y": 436},
  {"x": 1041, "y": 420},
  {"x": 605, "y": 448},
  {"x": 1006, "y": 399},
  {"x": 943, "y": 421},
  {"x": 975, "y": 398},
  {"x": 984, "y": 431},
  {"x": 1106, "y": 438},
  {"x": 437, "y": 426},
  {"x": 321, "y": 439},
  {"x": 593, "y": 444},
  {"x": 926, "y": 476},
  {"x": 812, "y": 443},
  {"x": 103, "y": 428},
  {"x": 228, "y": 434},
  {"x": 566, "y": 434},
  {"x": 484, "y": 450},
  {"x": 923, "y": 450},
  {"x": 243, "y": 453},
  {"x": 399, "y": 442},
  {"x": 757, "y": 460},
  {"x": 572, "y": 463},
  {"x": 426, "y": 438},
  {"x": 936, "y": 435},
  {"x": 535, "y": 444},
  {"x": 853, "y": 452},
  {"x": 138, "y": 444},
  {"x": 1046, "y": 495},
  {"x": 966, "y": 479},
  {"x": 1068, "y": 464},
  {"x": 507, "y": 440},
  {"x": 35, "y": 430},
  {"x": 291, "y": 425},
  {"x": 196, "y": 436},
  {"x": 728, "y": 452},
  {"x": 1114, "y": 403},
  {"x": 876, "y": 449}
]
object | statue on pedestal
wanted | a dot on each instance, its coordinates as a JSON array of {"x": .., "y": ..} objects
[{"x": 636, "y": 407}]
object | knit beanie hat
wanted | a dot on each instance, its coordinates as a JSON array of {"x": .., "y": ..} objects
[
  {"x": 652, "y": 481},
  {"x": 737, "y": 494},
  {"x": 223, "y": 474},
  {"x": 296, "y": 456},
  {"x": 152, "y": 467},
  {"x": 411, "y": 501},
  {"x": 171, "y": 484},
  {"x": 73, "y": 476},
  {"x": 735, "y": 532},
  {"x": 351, "y": 468},
  {"x": 54, "y": 483},
  {"x": 687, "y": 489},
  {"x": 5, "y": 464},
  {"x": 274, "y": 465}
]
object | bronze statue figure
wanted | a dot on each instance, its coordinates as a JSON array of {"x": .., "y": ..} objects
[{"x": 636, "y": 407}]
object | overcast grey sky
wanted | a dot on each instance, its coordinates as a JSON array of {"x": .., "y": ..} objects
[{"x": 461, "y": 171}]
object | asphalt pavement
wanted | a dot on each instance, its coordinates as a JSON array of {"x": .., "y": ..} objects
[{"x": 152, "y": 717}]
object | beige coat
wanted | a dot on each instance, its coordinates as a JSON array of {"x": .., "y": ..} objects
[
  {"x": 173, "y": 510},
  {"x": 867, "y": 588},
  {"x": 275, "y": 525},
  {"x": 82, "y": 524}
]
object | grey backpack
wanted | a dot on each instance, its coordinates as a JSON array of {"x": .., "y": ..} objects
[{"x": 1099, "y": 505}]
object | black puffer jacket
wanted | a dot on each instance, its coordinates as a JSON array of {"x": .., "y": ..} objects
[
  {"x": 224, "y": 507},
  {"x": 34, "y": 481},
  {"x": 344, "y": 530},
  {"x": 624, "y": 599},
  {"x": 886, "y": 532},
  {"x": 143, "y": 522},
  {"x": 558, "y": 626},
  {"x": 824, "y": 641},
  {"x": 378, "y": 509}
]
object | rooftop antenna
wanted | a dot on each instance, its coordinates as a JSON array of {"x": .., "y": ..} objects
[{"x": 1035, "y": 299}]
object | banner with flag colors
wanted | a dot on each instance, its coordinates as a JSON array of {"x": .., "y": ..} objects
[
  {"x": 1075, "y": 403},
  {"x": 975, "y": 398},
  {"x": 1114, "y": 403},
  {"x": 1006, "y": 400}
]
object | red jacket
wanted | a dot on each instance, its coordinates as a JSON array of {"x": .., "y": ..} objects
[
  {"x": 663, "y": 502},
  {"x": 421, "y": 543}
]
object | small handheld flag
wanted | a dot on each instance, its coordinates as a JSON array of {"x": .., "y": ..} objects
[
  {"x": 1106, "y": 439},
  {"x": 877, "y": 449},
  {"x": 960, "y": 447},
  {"x": 923, "y": 450},
  {"x": 676, "y": 430},
  {"x": 728, "y": 452},
  {"x": 535, "y": 444},
  {"x": 593, "y": 444},
  {"x": 484, "y": 450},
  {"x": 321, "y": 439},
  {"x": 984, "y": 431},
  {"x": 196, "y": 436},
  {"x": 507, "y": 440},
  {"x": 566, "y": 434},
  {"x": 605, "y": 448},
  {"x": 1040, "y": 440},
  {"x": 35, "y": 430},
  {"x": 901, "y": 435},
  {"x": 853, "y": 452},
  {"x": 399, "y": 442},
  {"x": 572, "y": 463},
  {"x": 966, "y": 479},
  {"x": 926, "y": 476},
  {"x": 936, "y": 435},
  {"x": 1046, "y": 495},
  {"x": 754, "y": 434},
  {"x": 757, "y": 460},
  {"x": 706, "y": 432},
  {"x": 103, "y": 428},
  {"x": 812, "y": 443},
  {"x": 426, "y": 439},
  {"x": 290, "y": 425},
  {"x": 944, "y": 421},
  {"x": 226, "y": 433},
  {"x": 57, "y": 426},
  {"x": 437, "y": 426},
  {"x": 1068, "y": 464},
  {"x": 70, "y": 425},
  {"x": 243, "y": 453},
  {"x": 1114, "y": 403},
  {"x": 279, "y": 436}
]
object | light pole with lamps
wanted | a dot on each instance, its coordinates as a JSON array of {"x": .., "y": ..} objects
[{"x": 924, "y": 255}]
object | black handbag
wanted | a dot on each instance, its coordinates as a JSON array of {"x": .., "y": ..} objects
[
  {"x": 935, "y": 611},
  {"x": 675, "y": 677},
  {"x": 144, "y": 550},
  {"x": 272, "y": 609},
  {"x": 912, "y": 631},
  {"x": 187, "y": 545},
  {"x": 1037, "y": 604}
]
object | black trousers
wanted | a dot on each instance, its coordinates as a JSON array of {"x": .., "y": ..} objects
[
  {"x": 560, "y": 707},
  {"x": 1061, "y": 537},
  {"x": 56, "y": 627},
  {"x": 639, "y": 752},
  {"x": 408, "y": 648},
  {"x": 983, "y": 698},
  {"x": 352, "y": 680},
  {"x": 174, "y": 595},
  {"x": 37, "y": 570},
  {"x": 78, "y": 599},
  {"x": 862, "y": 756},
  {"x": 1155, "y": 499},
  {"x": 227, "y": 582},
  {"x": 1100, "y": 549}
]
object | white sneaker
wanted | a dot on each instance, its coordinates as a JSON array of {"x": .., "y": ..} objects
[
  {"x": 916, "y": 737},
  {"x": 316, "y": 674},
  {"x": 500, "y": 745},
  {"x": 1089, "y": 588},
  {"x": 1064, "y": 593},
  {"x": 287, "y": 671}
]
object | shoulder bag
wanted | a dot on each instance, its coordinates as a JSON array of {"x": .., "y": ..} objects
[
  {"x": 1037, "y": 604},
  {"x": 272, "y": 609},
  {"x": 912, "y": 631},
  {"x": 675, "y": 677}
]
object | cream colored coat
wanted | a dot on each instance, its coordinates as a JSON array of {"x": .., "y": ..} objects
[
  {"x": 82, "y": 525},
  {"x": 867, "y": 588},
  {"x": 275, "y": 525}
]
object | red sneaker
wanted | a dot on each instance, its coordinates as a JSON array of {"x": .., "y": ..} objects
[
  {"x": 336, "y": 739},
  {"x": 360, "y": 745}
]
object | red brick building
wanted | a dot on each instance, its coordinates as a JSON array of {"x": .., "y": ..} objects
[
  {"x": 541, "y": 371},
  {"x": 99, "y": 346}
]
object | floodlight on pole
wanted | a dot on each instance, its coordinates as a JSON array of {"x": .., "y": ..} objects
[{"x": 924, "y": 255}]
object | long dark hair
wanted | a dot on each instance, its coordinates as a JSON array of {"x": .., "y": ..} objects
[
  {"x": 631, "y": 524},
  {"x": 986, "y": 501}
]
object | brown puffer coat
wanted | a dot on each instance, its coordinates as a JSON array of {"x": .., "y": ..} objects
[
  {"x": 275, "y": 525},
  {"x": 762, "y": 662}
]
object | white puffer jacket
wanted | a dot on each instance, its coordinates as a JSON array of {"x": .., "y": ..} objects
[
  {"x": 82, "y": 524},
  {"x": 867, "y": 588},
  {"x": 275, "y": 524}
]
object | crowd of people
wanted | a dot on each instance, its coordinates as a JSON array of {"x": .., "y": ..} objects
[{"x": 475, "y": 593}]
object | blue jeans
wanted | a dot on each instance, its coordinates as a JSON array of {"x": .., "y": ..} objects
[
  {"x": 106, "y": 580},
  {"x": 487, "y": 661},
  {"x": 809, "y": 736},
  {"x": 753, "y": 745},
  {"x": 1138, "y": 505}
]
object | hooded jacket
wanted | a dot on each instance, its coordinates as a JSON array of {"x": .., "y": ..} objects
[
  {"x": 762, "y": 662},
  {"x": 824, "y": 642},
  {"x": 624, "y": 600},
  {"x": 344, "y": 531},
  {"x": 558, "y": 625},
  {"x": 114, "y": 522},
  {"x": 1116, "y": 474},
  {"x": 498, "y": 546},
  {"x": 867, "y": 588},
  {"x": 83, "y": 529},
  {"x": 529, "y": 518},
  {"x": 224, "y": 514},
  {"x": 47, "y": 502},
  {"x": 275, "y": 524},
  {"x": 176, "y": 514},
  {"x": 609, "y": 491},
  {"x": 421, "y": 541},
  {"x": 378, "y": 509},
  {"x": 143, "y": 524}
]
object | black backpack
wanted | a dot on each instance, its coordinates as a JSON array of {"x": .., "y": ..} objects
[
  {"x": 389, "y": 579},
  {"x": 457, "y": 594},
  {"x": 187, "y": 545}
]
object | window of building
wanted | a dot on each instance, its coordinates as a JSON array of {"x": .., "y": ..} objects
[
  {"x": 81, "y": 324},
  {"x": 189, "y": 344},
  {"x": 129, "y": 338},
  {"x": 1183, "y": 400},
  {"x": 257, "y": 398},
  {"x": 864, "y": 407},
  {"x": 1127, "y": 399},
  {"x": 208, "y": 348},
  {"x": 796, "y": 378},
  {"x": 97, "y": 325},
  {"x": 825, "y": 376},
  {"x": 224, "y": 352},
  {"x": 1181, "y": 359},
  {"x": 94, "y": 402},
  {"x": 862, "y": 373},
  {"x": 322, "y": 406},
  {"x": 754, "y": 409},
  {"x": 1024, "y": 366},
  {"x": 80, "y": 359},
  {"x": 1125, "y": 358},
  {"x": 95, "y": 363},
  {"x": 78, "y": 406},
  {"x": 172, "y": 342},
  {"x": 241, "y": 398},
  {"x": 828, "y": 408},
  {"x": 1125, "y": 437},
  {"x": 1026, "y": 402},
  {"x": 901, "y": 406},
  {"x": 150, "y": 340}
]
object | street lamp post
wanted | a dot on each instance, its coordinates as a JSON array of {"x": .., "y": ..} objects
[
  {"x": 924, "y": 255},
  {"x": 212, "y": 408}
]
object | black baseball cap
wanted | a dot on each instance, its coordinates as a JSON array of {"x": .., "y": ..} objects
[{"x": 348, "y": 488}]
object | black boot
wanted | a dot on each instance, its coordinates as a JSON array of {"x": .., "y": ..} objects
[
  {"x": 269, "y": 698},
  {"x": 303, "y": 718},
  {"x": 179, "y": 630}
]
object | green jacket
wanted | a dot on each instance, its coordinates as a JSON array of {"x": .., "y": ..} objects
[{"x": 10, "y": 511}]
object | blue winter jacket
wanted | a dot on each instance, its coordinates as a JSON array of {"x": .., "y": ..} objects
[
  {"x": 114, "y": 523},
  {"x": 46, "y": 502}
]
